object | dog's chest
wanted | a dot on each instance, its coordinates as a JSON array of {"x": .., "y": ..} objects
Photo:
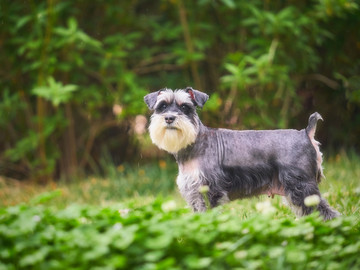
[{"x": 189, "y": 175}]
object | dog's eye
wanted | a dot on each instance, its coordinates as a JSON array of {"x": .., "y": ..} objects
[
  {"x": 162, "y": 107},
  {"x": 185, "y": 108}
]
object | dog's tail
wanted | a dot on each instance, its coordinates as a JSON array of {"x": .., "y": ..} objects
[{"x": 310, "y": 131}]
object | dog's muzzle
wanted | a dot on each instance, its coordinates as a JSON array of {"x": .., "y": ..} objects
[{"x": 169, "y": 119}]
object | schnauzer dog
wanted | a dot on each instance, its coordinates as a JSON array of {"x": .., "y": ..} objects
[{"x": 235, "y": 164}]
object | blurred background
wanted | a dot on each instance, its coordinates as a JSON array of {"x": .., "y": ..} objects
[{"x": 73, "y": 75}]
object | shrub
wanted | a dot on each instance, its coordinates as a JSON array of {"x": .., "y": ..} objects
[
  {"x": 74, "y": 73},
  {"x": 162, "y": 236}
]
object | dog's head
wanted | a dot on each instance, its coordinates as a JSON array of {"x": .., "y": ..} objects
[{"x": 174, "y": 123}]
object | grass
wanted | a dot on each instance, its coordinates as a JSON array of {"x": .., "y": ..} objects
[
  {"x": 122, "y": 183},
  {"x": 140, "y": 185}
]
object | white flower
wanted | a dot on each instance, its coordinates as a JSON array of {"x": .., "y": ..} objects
[
  {"x": 312, "y": 200},
  {"x": 204, "y": 189},
  {"x": 124, "y": 212},
  {"x": 168, "y": 206},
  {"x": 117, "y": 226},
  {"x": 241, "y": 254},
  {"x": 265, "y": 207},
  {"x": 36, "y": 218},
  {"x": 84, "y": 220}
]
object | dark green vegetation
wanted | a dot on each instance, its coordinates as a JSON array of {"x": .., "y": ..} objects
[
  {"x": 49, "y": 231},
  {"x": 161, "y": 236},
  {"x": 74, "y": 73},
  {"x": 72, "y": 80}
]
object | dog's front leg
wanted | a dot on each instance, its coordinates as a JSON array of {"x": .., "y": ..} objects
[
  {"x": 189, "y": 186},
  {"x": 196, "y": 201}
]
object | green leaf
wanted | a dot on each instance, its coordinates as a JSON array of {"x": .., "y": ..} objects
[
  {"x": 296, "y": 256},
  {"x": 34, "y": 258},
  {"x": 229, "y": 3},
  {"x": 23, "y": 146},
  {"x": 55, "y": 92},
  {"x": 159, "y": 242},
  {"x": 194, "y": 262},
  {"x": 22, "y": 21},
  {"x": 45, "y": 197}
]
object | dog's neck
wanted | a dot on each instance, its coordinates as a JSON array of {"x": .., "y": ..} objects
[{"x": 193, "y": 150}]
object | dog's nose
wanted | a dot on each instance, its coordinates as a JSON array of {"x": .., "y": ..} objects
[{"x": 169, "y": 119}]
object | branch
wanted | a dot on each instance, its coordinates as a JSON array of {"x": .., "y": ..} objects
[
  {"x": 155, "y": 68},
  {"x": 325, "y": 80},
  {"x": 154, "y": 59}
]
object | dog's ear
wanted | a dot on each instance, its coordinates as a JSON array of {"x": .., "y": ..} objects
[
  {"x": 150, "y": 99},
  {"x": 198, "y": 97}
]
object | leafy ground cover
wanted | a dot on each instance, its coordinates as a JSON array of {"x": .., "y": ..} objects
[
  {"x": 162, "y": 236},
  {"x": 64, "y": 228}
]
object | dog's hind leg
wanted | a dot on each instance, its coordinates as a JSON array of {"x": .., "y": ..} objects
[
  {"x": 300, "y": 209},
  {"x": 297, "y": 187},
  {"x": 326, "y": 210},
  {"x": 295, "y": 199}
]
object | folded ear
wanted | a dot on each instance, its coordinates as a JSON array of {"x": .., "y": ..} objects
[
  {"x": 198, "y": 97},
  {"x": 150, "y": 99}
]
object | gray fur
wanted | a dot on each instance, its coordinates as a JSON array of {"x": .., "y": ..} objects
[
  {"x": 312, "y": 122},
  {"x": 151, "y": 98},
  {"x": 238, "y": 164},
  {"x": 199, "y": 97}
]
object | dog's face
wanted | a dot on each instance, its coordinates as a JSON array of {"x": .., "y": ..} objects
[{"x": 174, "y": 123}]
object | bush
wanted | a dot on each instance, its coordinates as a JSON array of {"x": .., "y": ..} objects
[
  {"x": 74, "y": 73},
  {"x": 162, "y": 236}
]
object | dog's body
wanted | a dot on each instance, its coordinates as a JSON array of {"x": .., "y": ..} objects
[{"x": 235, "y": 164}]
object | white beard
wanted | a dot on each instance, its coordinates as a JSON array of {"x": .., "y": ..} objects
[{"x": 182, "y": 133}]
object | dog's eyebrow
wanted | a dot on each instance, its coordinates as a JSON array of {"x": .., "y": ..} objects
[
  {"x": 181, "y": 97},
  {"x": 165, "y": 96}
]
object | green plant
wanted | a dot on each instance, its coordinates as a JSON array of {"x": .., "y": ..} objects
[
  {"x": 82, "y": 225},
  {"x": 162, "y": 236},
  {"x": 54, "y": 93},
  {"x": 277, "y": 53},
  {"x": 74, "y": 73}
]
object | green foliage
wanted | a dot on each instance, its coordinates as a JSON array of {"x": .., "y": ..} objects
[
  {"x": 55, "y": 92},
  {"x": 66, "y": 65},
  {"x": 50, "y": 231},
  {"x": 162, "y": 236},
  {"x": 281, "y": 43}
]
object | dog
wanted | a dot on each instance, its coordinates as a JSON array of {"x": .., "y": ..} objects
[{"x": 235, "y": 164}]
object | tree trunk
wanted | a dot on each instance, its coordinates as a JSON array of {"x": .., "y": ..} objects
[
  {"x": 189, "y": 44},
  {"x": 69, "y": 161}
]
